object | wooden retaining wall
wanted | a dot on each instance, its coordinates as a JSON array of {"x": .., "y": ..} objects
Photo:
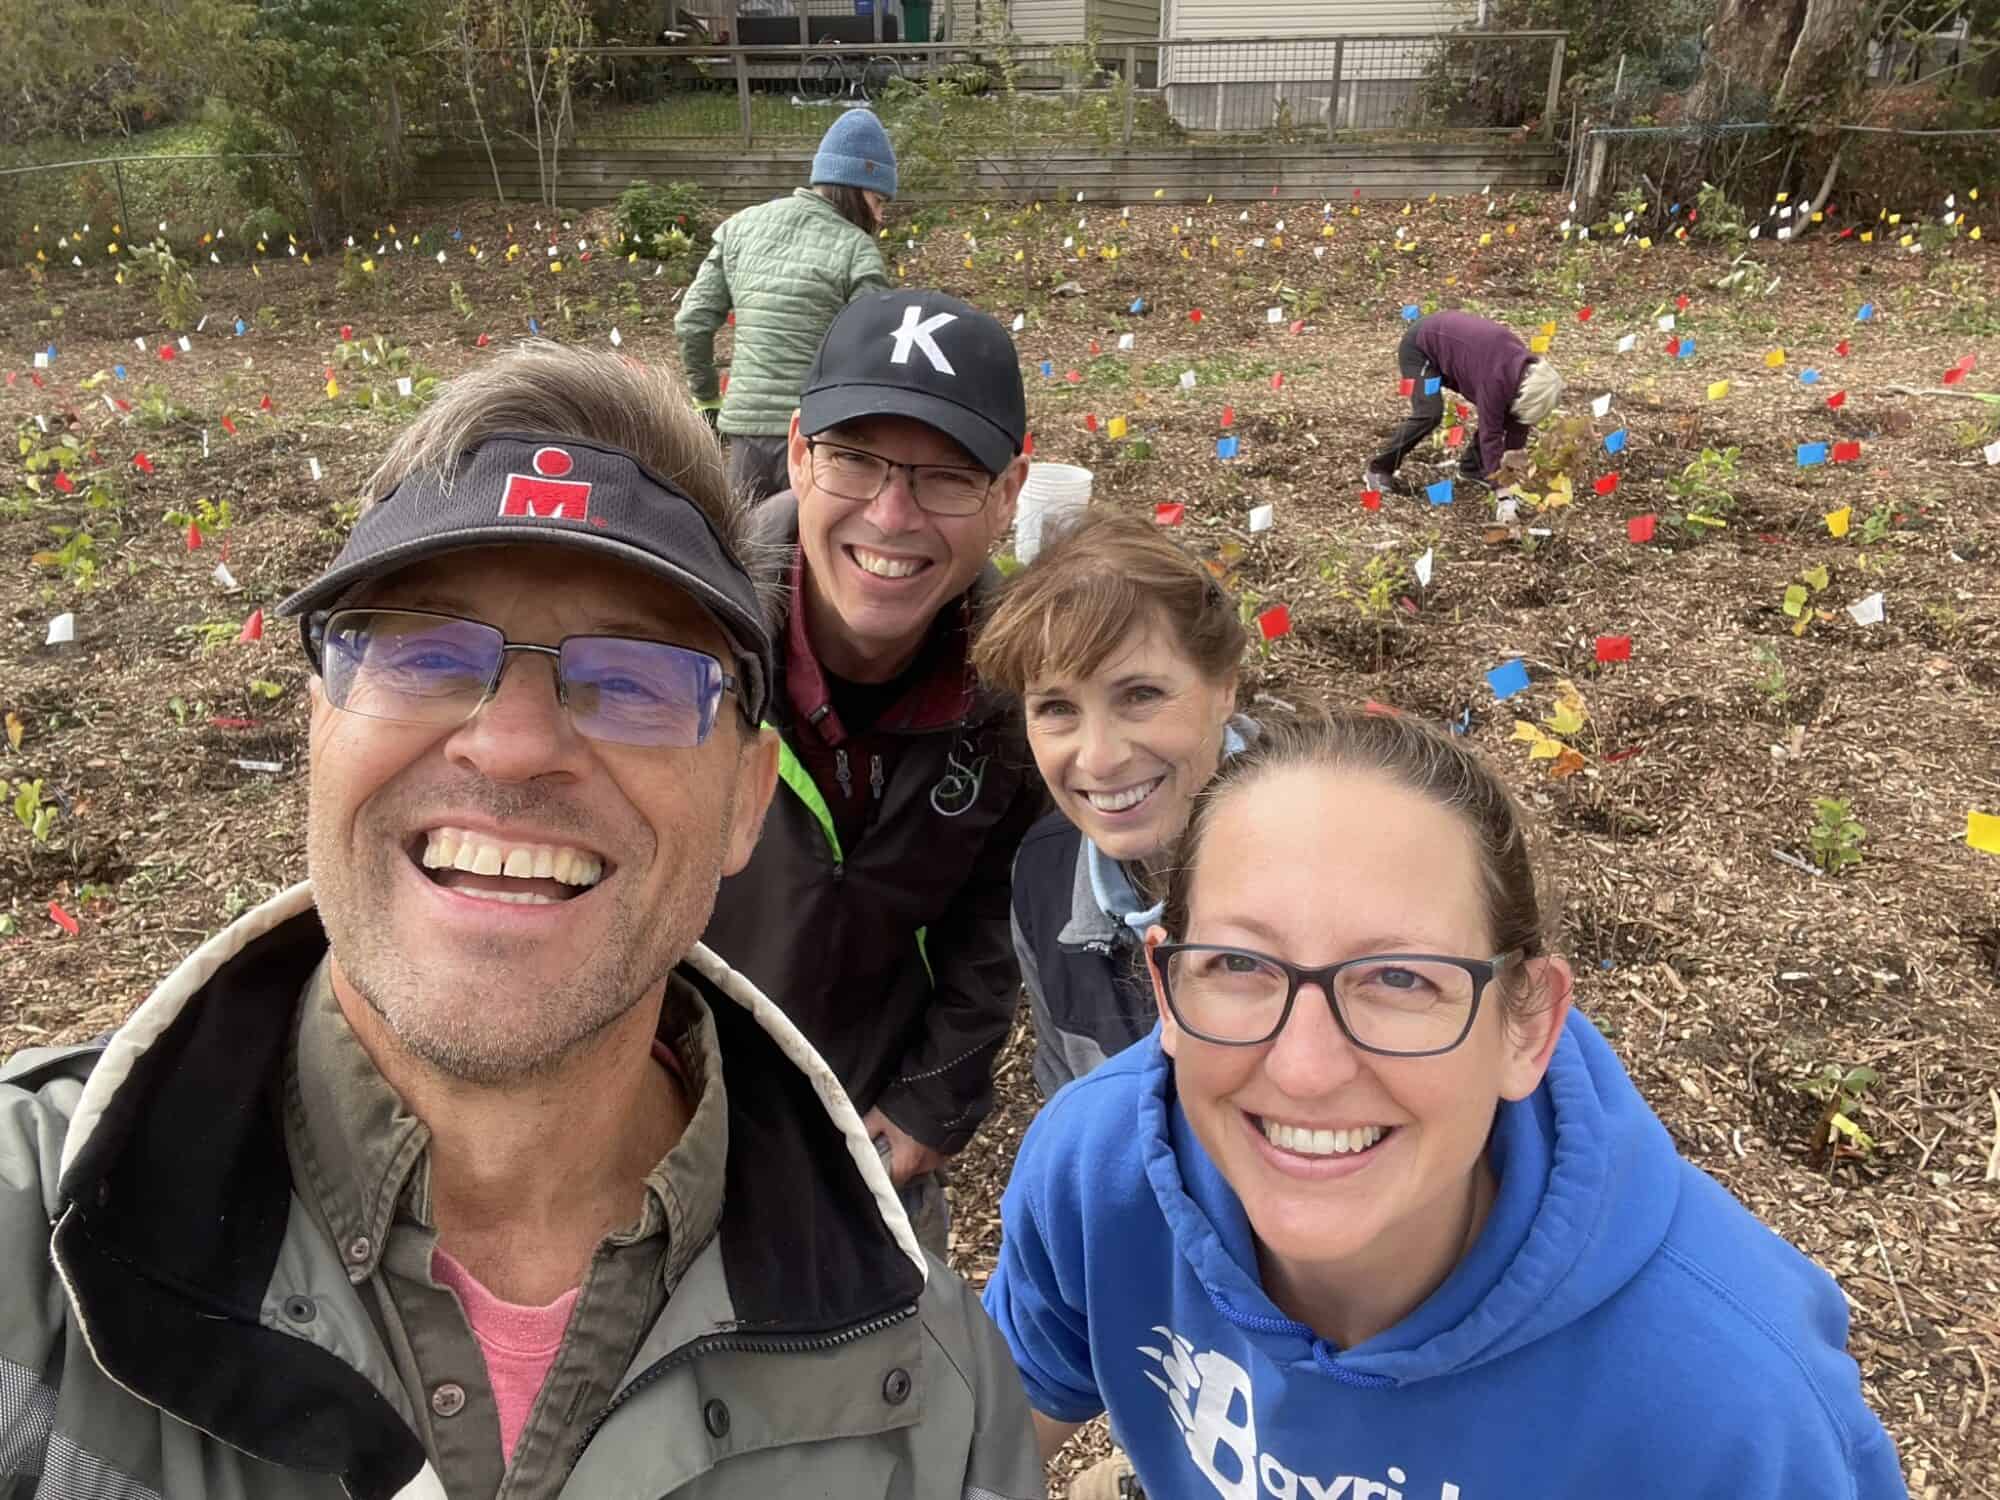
[{"x": 734, "y": 177}]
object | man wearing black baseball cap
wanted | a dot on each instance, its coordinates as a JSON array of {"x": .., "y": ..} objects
[
  {"x": 874, "y": 908},
  {"x": 463, "y": 1168}
]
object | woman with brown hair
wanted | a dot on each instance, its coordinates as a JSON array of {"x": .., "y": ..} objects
[
  {"x": 1123, "y": 651},
  {"x": 1376, "y": 1212},
  {"x": 786, "y": 268}
]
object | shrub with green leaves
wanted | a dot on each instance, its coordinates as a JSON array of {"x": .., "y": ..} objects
[
  {"x": 671, "y": 222},
  {"x": 1837, "y": 835}
]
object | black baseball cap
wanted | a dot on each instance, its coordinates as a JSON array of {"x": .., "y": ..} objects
[
  {"x": 926, "y": 356},
  {"x": 519, "y": 488}
]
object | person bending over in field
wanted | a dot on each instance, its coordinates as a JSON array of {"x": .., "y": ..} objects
[
  {"x": 1376, "y": 1211},
  {"x": 464, "y": 1169},
  {"x": 1511, "y": 389}
]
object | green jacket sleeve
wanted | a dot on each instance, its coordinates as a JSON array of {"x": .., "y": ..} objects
[
  {"x": 868, "y": 273},
  {"x": 1000, "y": 1460},
  {"x": 702, "y": 312}
]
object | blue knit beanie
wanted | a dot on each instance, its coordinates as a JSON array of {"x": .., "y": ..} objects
[{"x": 855, "y": 152}]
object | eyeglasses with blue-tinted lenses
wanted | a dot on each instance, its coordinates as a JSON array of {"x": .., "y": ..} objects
[{"x": 415, "y": 667}]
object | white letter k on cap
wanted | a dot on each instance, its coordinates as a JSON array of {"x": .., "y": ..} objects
[{"x": 918, "y": 334}]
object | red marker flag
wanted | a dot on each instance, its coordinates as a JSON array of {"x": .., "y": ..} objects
[
  {"x": 1298, "y": 327},
  {"x": 1169, "y": 513},
  {"x": 1969, "y": 363},
  {"x": 722, "y": 384},
  {"x": 65, "y": 483},
  {"x": 193, "y": 537},
  {"x": 1606, "y": 484},
  {"x": 253, "y": 628},
  {"x": 142, "y": 463},
  {"x": 1090, "y": 421},
  {"x": 1455, "y": 436},
  {"x": 62, "y": 918},
  {"x": 1583, "y": 313},
  {"x": 1228, "y": 416},
  {"x": 346, "y": 332},
  {"x": 1074, "y": 377},
  {"x": 1640, "y": 528},
  {"x": 1846, "y": 453},
  {"x": 1954, "y": 375},
  {"x": 1674, "y": 347},
  {"x": 1095, "y": 347},
  {"x": 1371, "y": 499},
  {"x": 265, "y": 404},
  {"x": 1028, "y": 445},
  {"x": 1837, "y": 400},
  {"x": 1194, "y": 315},
  {"x": 1278, "y": 380},
  {"x": 1614, "y": 648},
  {"x": 1841, "y": 348},
  {"x": 1274, "y": 622},
  {"x": 228, "y": 426},
  {"x": 1406, "y": 388},
  {"x": 481, "y": 342},
  {"x": 1681, "y": 302},
  {"x": 167, "y": 353}
]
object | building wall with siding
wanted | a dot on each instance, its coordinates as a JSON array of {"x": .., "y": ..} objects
[
  {"x": 1125, "y": 20},
  {"x": 1228, "y": 18},
  {"x": 1052, "y": 21}
]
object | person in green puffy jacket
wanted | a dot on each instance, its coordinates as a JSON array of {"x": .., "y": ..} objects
[{"x": 786, "y": 267}]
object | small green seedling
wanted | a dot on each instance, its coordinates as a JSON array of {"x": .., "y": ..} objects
[
  {"x": 32, "y": 812},
  {"x": 211, "y": 515},
  {"x": 1771, "y": 683},
  {"x": 1844, "y": 1092},
  {"x": 1799, "y": 595},
  {"x": 263, "y": 687},
  {"x": 1837, "y": 835}
]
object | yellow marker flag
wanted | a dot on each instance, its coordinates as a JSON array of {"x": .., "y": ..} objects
[
  {"x": 1867, "y": 236},
  {"x": 1836, "y": 520},
  {"x": 1406, "y": 210},
  {"x": 1326, "y": 231},
  {"x": 1718, "y": 390},
  {"x": 1277, "y": 242},
  {"x": 1159, "y": 192},
  {"x": 1784, "y": 198},
  {"x": 1973, "y": 195},
  {"x": 555, "y": 265},
  {"x": 1539, "y": 344},
  {"x": 1510, "y": 231},
  {"x": 1895, "y": 219},
  {"x": 332, "y": 389},
  {"x": 1354, "y": 212},
  {"x": 1645, "y": 242},
  {"x": 1485, "y": 240},
  {"x": 1186, "y": 254},
  {"x": 1774, "y": 359},
  {"x": 632, "y": 259},
  {"x": 307, "y": 257},
  {"x": 1548, "y": 329},
  {"x": 1211, "y": 197},
  {"x": 369, "y": 264},
  {"x": 1982, "y": 832},
  {"x": 1818, "y": 217},
  {"x": 1117, "y": 428},
  {"x": 1019, "y": 256},
  {"x": 1907, "y": 240},
  {"x": 1975, "y": 231},
  {"x": 1215, "y": 242}
]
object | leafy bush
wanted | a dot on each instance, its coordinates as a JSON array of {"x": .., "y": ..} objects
[{"x": 672, "y": 222}]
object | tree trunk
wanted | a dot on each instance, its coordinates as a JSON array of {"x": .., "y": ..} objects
[
  {"x": 1825, "y": 71},
  {"x": 1744, "y": 66}
]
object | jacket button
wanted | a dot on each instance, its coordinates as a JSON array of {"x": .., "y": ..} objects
[
  {"x": 896, "y": 1387},
  {"x": 358, "y": 1249},
  {"x": 448, "y": 1400},
  {"x": 300, "y": 1309},
  {"x": 715, "y": 1416}
]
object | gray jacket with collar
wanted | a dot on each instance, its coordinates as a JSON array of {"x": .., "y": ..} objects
[{"x": 173, "y": 1322}]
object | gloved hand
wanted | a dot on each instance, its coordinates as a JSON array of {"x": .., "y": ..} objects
[{"x": 709, "y": 410}]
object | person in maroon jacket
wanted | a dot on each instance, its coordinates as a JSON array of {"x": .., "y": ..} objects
[{"x": 1487, "y": 364}]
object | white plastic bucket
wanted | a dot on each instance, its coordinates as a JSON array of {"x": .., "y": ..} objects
[{"x": 1052, "y": 493}]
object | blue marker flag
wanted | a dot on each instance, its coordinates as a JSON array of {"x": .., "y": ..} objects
[
  {"x": 1867, "y": 312},
  {"x": 1507, "y": 679},
  {"x": 1811, "y": 453},
  {"x": 1433, "y": 385},
  {"x": 1808, "y": 377},
  {"x": 119, "y": 371},
  {"x": 239, "y": 328},
  {"x": 1225, "y": 447},
  {"x": 1439, "y": 493},
  {"x": 1614, "y": 442},
  {"x": 1048, "y": 368},
  {"x": 1411, "y": 312},
  {"x": 534, "y": 325},
  {"x": 1687, "y": 347},
  {"x": 1138, "y": 304},
  {"x": 458, "y": 234}
]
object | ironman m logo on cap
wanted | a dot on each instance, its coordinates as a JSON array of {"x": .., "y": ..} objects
[{"x": 545, "y": 495}]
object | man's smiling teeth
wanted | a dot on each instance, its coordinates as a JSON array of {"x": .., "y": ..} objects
[
  {"x": 1132, "y": 796},
  {"x": 460, "y": 849},
  {"x": 1321, "y": 1142},
  {"x": 886, "y": 567}
]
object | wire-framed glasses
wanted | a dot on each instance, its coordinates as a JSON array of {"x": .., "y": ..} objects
[{"x": 856, "y": 474}]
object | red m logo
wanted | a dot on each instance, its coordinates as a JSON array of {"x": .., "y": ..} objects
[{"x": 544, "y": 494}]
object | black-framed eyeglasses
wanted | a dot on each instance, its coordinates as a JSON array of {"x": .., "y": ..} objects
[
  {"x": 1393, "y": 1004},
  {"x": 416, "y": 667},
  {"x": 856, "y": 474}
]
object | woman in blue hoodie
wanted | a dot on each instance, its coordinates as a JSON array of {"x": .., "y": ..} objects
[{"x": 1376, "y": 1214}]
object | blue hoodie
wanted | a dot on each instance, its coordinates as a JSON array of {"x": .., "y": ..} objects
[{"x": 1623, "y": 1329}]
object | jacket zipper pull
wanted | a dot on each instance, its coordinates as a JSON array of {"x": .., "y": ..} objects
[
  {"x": 842, "y": 774},
  {"x": 875, "y": 776}
]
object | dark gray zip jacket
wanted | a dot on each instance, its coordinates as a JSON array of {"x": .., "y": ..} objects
[
  {"x": 174, "y": 1323},
  {"x": 888, "y": 944}
]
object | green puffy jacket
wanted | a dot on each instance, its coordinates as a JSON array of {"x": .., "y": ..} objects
[{"x": 787, "y": 267}]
